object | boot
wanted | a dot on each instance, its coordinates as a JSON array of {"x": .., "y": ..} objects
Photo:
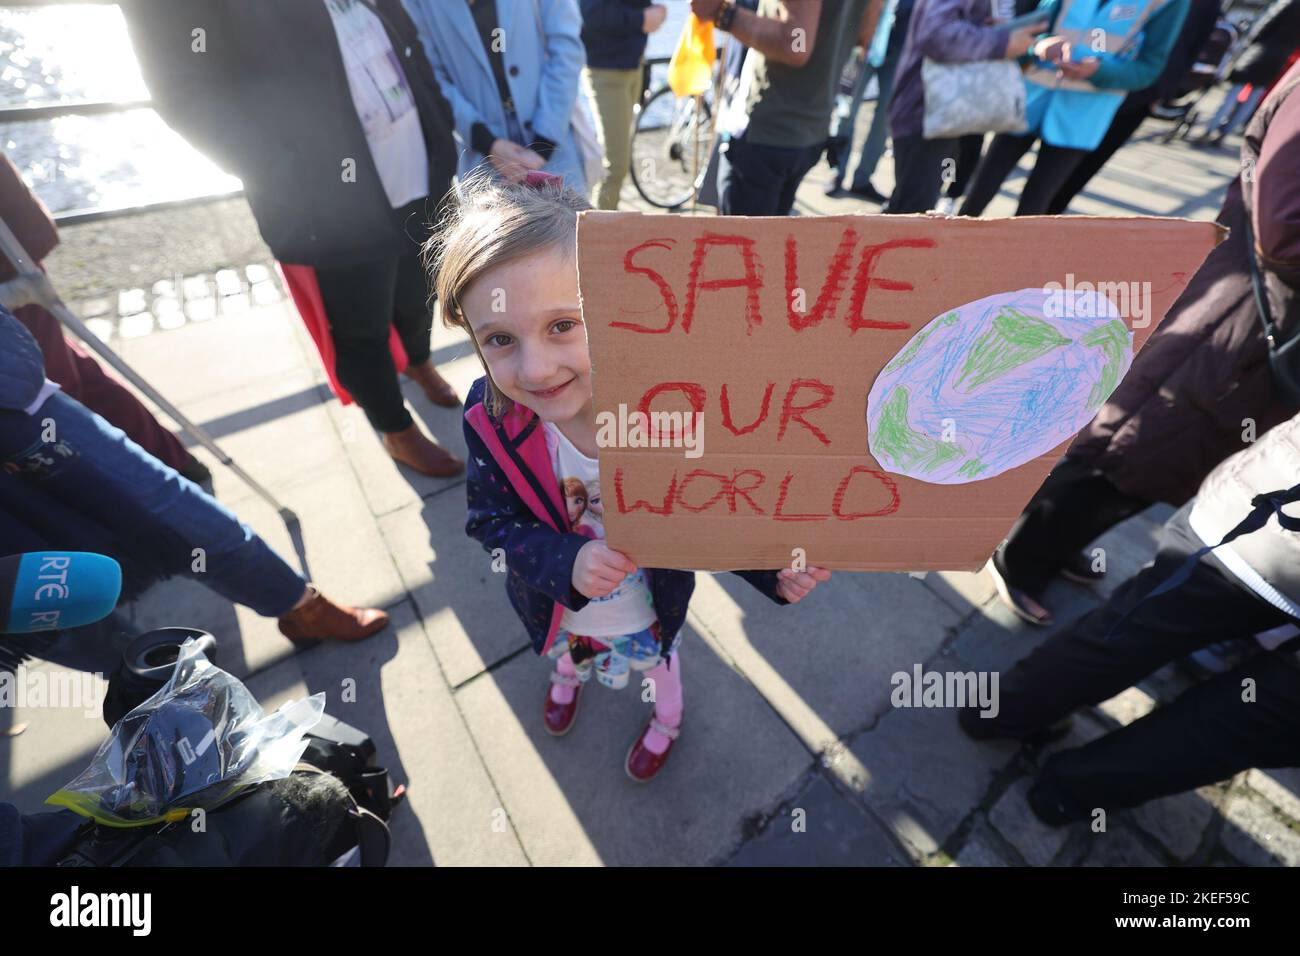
[
  {"x": 410, "y": 447},
  {"x": 436, "y": 389},
  {"x": 320, "y": 619}
]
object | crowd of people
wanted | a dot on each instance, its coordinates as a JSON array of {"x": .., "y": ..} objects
[{"x": 401, "y": 153}]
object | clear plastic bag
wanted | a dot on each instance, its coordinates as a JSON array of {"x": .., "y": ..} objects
[{"x": 197, "y": 742}]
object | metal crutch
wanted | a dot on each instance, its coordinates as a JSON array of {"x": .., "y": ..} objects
[{"x": 33, "y": 287}]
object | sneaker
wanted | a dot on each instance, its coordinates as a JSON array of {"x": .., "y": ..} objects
[
  {"x": 1021, "y": 603},
  {"x": 946, "y": 206}
]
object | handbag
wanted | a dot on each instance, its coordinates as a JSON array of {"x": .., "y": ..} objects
[
  {"x": 1283, "y": 353},
  {"x": 590, "y": 153},
  {"x": 987, "y": 96}
]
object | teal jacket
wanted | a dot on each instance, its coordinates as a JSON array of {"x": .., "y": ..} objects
[{"x": 1131, "y": 38}]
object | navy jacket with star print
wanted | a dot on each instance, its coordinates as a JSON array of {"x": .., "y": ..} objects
[{"x": 515, "y": 504}]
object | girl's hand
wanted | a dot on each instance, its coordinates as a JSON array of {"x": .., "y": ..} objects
[
  {"x": 599, "y": 569},
  {"x": 795, "y": 585}
]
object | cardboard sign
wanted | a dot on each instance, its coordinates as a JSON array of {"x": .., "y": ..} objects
[{"x": 880, "y": 393}]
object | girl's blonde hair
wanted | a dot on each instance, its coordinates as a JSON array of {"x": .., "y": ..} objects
[{"x": 490, "y": 222}]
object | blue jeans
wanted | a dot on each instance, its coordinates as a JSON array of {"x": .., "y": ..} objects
[{"x": 81, "y": 460}]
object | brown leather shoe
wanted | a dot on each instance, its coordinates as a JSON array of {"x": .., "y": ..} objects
[
  {"x": 320, "y": 619},
  {"x": 436, "y": 388},
  {"x": 410, "y": 447}
]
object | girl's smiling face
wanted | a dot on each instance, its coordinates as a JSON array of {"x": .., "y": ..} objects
[{"x": 526, "y": 320}]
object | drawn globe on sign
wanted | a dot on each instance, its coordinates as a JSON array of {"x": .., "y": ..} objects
[{"x": 995, "y": 383}]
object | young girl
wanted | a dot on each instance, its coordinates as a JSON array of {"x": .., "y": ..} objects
[{"x": 506, "y": 266}]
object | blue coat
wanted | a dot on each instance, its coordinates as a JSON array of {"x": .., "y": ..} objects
[
  {"x": 1077, "y": 113},
  {"x": 542, "y": 73},
  {"x": 515, "y": 505}
]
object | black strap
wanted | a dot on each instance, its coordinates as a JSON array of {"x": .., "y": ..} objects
[
  {"x": 1261, "y": 295},
  {"x": 1263, "y": 507}
]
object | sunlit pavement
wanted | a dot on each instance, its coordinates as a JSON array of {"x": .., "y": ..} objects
[{"x": 791, "y": 751}]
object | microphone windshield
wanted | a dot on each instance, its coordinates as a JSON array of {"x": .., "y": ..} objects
[{"x": 55, "y": 590}]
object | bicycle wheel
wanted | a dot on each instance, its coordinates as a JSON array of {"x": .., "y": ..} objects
[{"x": 670, "y": 139}]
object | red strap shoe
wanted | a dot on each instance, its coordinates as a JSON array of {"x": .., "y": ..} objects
[
  {"x": 559, "y": 718},
  {"x": 641, "y": 764}
]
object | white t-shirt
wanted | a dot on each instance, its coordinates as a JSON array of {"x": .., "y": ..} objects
[
  {"x": 627, "y": 609},
  {"x": 383, "y": 100}
]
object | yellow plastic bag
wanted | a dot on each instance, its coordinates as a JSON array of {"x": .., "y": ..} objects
[{"x": 691, "y": 69}]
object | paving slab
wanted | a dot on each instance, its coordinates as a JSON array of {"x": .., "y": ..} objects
[
  {"x": 923, "y": 776},
  {"x": 391, "y": 687},
  {"x": 1256, "y": 835},
  {"x": 1179, "y": 821},
  {"x": 225, "y": 353},
  {"x": 569, "y": 797},
  {"x": 826, "y": 663},
  {"x": 821, "y": 827},
  {"x": 469, "y": 618},
  {"x": 1280, "y": 787},
  {"x": 1035, "y": 841},
  {"x": 1117, "y": 846},
  {"x": 978, "y": 850}
]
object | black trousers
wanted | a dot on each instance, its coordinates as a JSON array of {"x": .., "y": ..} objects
[
  {"x": 918, "y": 172},
  {"x": 362, "y": 302},
  {"x": 1121, "y": 130},
  {"x": 1053, "y": 166},
  {"x": 759, "y": 180},
  {"x": 1207, "y": 734},
  {"x": 1076, "y": 505},
  {"x": 968, "y": 160}
]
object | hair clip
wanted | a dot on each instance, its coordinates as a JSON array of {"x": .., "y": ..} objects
[{"x": 536, "y": 179}]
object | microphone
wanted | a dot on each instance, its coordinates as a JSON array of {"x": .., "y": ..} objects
[{"x": 54, "y": 590}]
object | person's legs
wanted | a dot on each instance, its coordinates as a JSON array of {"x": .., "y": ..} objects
[
  {"x": 412, "y": 307},
  {"x": 751, "y": 179},
  {"x": 667, "y": 679},
  {"x": 614, "y": 94},
  {"x": 840, "y": 145},
  {"x": 92, "y": 465},
  {"x": 999, "y": 159},
  {"x": 81, "y": 376},
  {"x": 878, "y": 133},
  {"x": 1086, "y": 663},
  {"x": 359, "y": 305},
  {"x": 799, "y": 164},
  {"x": 362, "y": 303},
  {"x": 1121, "y": 130},
  {"x": 413, "y": 319},
  {"x": 1075, "y": 505},
  {"x": 1213, "y": 731},
  {"x": 968, "y": 160},
  {"x": 918, "y": 168},
  {"x": 1051, "y": 169}
]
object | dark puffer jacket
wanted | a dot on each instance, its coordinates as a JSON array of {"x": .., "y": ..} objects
[{"x": 1201, "y": 388}]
